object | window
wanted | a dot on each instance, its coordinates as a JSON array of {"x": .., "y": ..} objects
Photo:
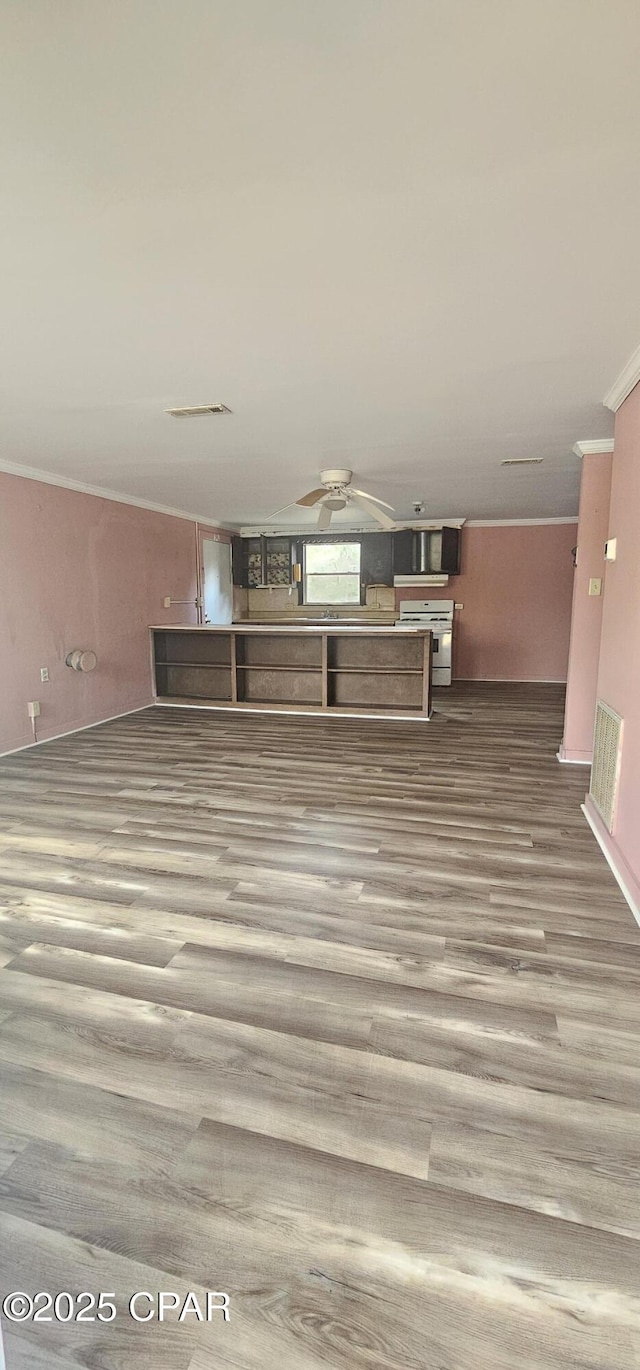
[{"x": 332, "y": 573}]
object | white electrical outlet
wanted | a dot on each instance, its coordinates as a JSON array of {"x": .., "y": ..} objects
[
  {"x": 167, "y": 601},
  {"x": 458, "y": 606},
  {"x": 595, "y": 585},
  {"x": 34, "y": 708},
  {"x": 44, "y": 673}
]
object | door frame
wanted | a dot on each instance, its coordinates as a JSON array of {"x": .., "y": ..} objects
[{"x": 216, "y": 535}]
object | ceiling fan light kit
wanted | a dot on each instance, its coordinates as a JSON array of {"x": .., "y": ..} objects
[{"x": 336, "y": 492}]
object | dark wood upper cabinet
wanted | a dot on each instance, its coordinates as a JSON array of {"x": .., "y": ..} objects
[
  {"x": 256, "y": 560},
  {"x": 376, "y": 564},
  {"x": 450, "y": 554},
  {"x": 403, "y": 553},
  {"x": 277, "y": 568},
  {"x": 239, "y": 563},
  {"x": 267, "y": 560}
]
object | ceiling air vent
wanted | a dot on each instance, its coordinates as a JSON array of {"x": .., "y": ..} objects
[
  {"x": 522, "y": 461},
  {"x": 192, "y": 411}
]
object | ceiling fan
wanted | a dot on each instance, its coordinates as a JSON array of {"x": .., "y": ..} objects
[{"x": 335, "y": 492}]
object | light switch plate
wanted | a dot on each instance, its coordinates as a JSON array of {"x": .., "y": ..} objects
[
  {"x": 595, "y": 585},
  {"x": 610, "y": 549}
]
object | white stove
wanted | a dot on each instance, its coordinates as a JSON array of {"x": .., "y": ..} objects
[{"x": 436, "y": 614}]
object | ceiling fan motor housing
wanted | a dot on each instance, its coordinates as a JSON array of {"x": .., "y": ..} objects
[{"x": 334, "y": 479}]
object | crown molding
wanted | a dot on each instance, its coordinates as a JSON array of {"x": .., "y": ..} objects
[
  {"x": 306, "y": 530},
  {"x": 628, "y": 378},
  {"x": 593, "y": 448},
  {"x": 279, "y": 531},
  {"x": 519, "y": 523},
  {"x": 433, "y": 525},
  {"x": 100, "y": 492},
  {"x": 291, "y": 530},
  {"x": 66, "y": 483}
]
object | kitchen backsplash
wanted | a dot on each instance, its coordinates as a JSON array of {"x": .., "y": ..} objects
[{"x": 281, "y": 601}]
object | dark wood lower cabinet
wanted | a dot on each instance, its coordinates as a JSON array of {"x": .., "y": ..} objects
[{"x": 384, "y": 671}]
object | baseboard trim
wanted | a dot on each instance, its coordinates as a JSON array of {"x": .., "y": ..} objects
[
  {"x": 505, "y": 680},
  {"x": 574, "y": 760},
  {"x": 84, "y": 727},
  {"x": 615, "y": 860},
  {"x": 281, "y": 712}
]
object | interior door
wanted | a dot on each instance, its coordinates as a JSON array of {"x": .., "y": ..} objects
[{"x": 217, "y": 589}]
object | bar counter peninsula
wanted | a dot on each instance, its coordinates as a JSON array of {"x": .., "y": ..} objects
[{"x": 382, "y": 672}]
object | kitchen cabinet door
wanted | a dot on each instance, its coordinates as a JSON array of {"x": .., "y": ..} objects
[
  {"x": 278, "y": 561},
  {"x": 239, "y": 566},
  {"x": 403, "y": 552},
  {"x": 450, "y": 553},
  {"x": 376, "y": 559}
]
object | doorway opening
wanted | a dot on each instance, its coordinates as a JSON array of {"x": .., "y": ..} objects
[{"x": 216, "y": 580}]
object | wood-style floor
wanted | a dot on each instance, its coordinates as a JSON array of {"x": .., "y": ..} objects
[{"x": 340, "y": 1018}]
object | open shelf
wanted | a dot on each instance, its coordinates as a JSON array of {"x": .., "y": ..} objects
[
  {"x": 373, "y": 670},
  {"x": 381, "y": 672},
  {"x": 383, "y": 691},
  {"x": 274, "y": 684},
  {"x": 202, "y": 665},
  {"x": 245, "y": 666},
  {"x": 371, "y": 652},
  {"x": 279, "y": 651},
  {"x": 193, "y": 648},
  {"x": 194, "y": 678}
]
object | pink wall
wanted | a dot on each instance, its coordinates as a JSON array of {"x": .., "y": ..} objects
[
  {"x": 619, "y": 673},
  {"x": 516, "y": 586},
  {"x": 79, "y": 571},
  {"x": 586, "y": 619}
]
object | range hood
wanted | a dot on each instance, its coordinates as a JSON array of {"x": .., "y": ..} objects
[
  {"x": 418, "y": 579},
  {"x": 426, "y": 556}
]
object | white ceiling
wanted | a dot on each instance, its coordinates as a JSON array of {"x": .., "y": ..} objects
[{"x": 396, "y": 235}]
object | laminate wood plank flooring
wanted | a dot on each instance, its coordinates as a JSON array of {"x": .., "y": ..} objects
[{"x": 340, "y": 1017}]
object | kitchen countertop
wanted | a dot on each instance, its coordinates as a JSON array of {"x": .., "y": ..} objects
[
  {"x": 330, "y": 625},
  {"x": 311, "y": 621}
]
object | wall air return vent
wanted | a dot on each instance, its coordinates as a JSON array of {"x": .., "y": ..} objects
[
  {"x": 605, "y": 771},
  {"x": 193, "y": 411}
]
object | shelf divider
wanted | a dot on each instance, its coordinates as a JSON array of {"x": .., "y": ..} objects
[
  {"x": 269, "y": 666},
  {"x": 234, "y": 670},
  {"x": 375, "y": 670}
]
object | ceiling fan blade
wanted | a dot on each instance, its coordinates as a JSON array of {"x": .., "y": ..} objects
[
  {"x": 278, "y": 512},
  {"x": 365, "y": 503},
  {"x": 312, "y": 496},
  {"x": 324, "y": 518},
  {"x": 375, "y": 499}
]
